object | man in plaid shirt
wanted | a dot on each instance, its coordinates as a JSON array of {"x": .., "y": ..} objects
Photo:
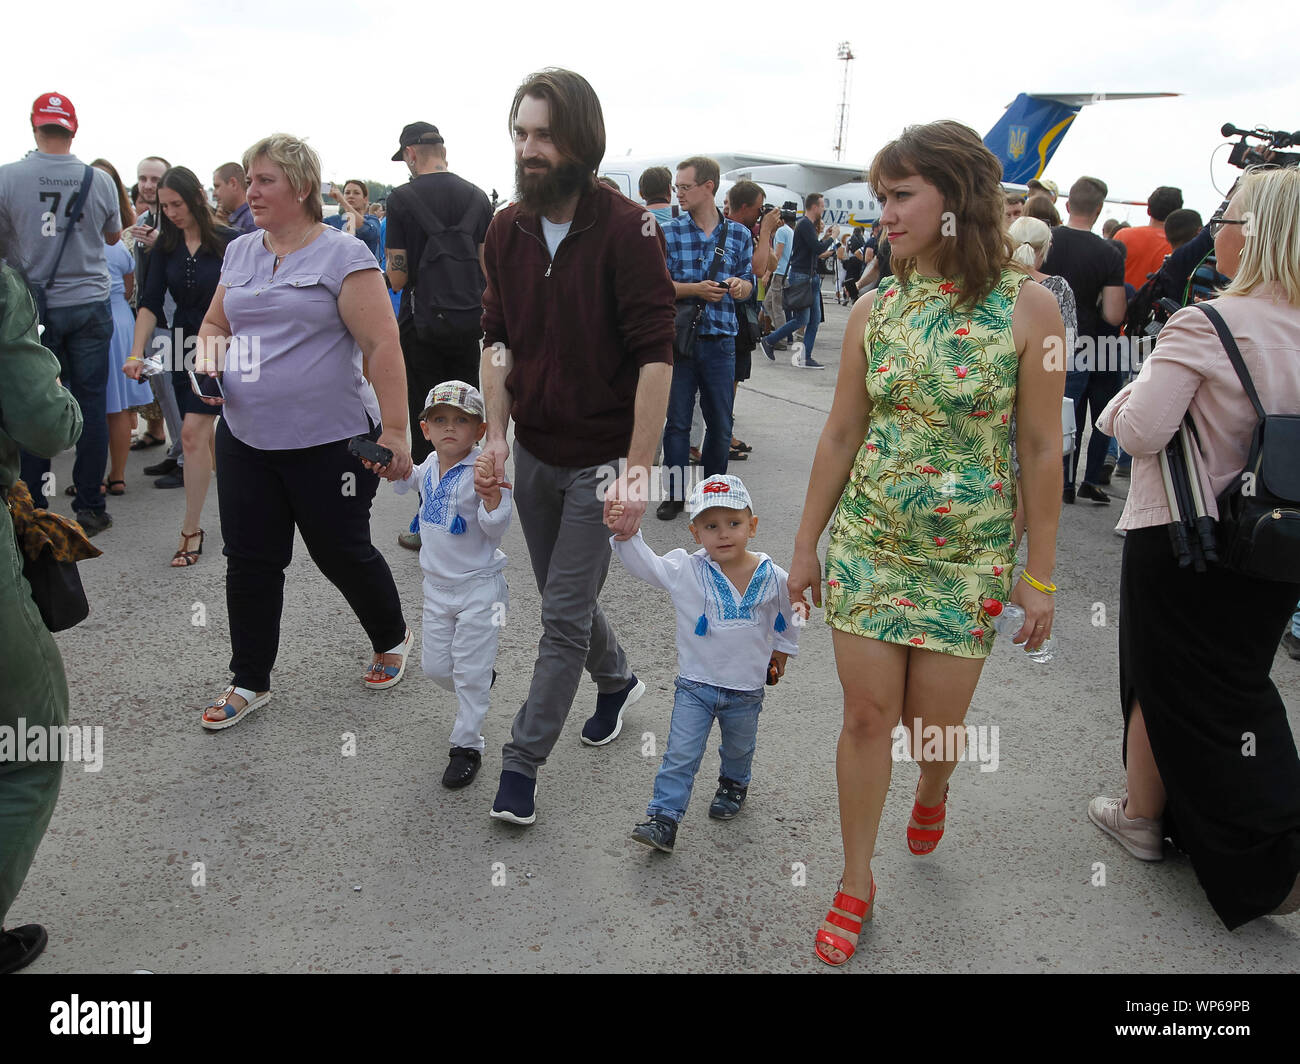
[{"x": 691, "y": 240}]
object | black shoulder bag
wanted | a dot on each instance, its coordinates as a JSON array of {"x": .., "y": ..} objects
[
  {"x": 1259, "y": 512},
  {"x": 41, "y": 292},
  {"x": 804, "y": 294},
  {"x": 691, "y": 312}
]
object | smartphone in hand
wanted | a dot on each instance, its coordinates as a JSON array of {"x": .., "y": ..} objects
[
  {"x": 207, "y": 386},
  {"x": 364, "y": 447}
]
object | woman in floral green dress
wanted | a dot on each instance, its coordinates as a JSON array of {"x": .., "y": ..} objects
[{"x": 913, "y": 473}]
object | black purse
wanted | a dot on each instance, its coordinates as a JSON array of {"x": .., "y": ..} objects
[
  {"x": 691, "y": 312},
  {"x": 57, "y": 591},
  {"x": 1259, "y": 512},
  {"x": 51, "y": 546},
  {"x": 40, "y": 293}
]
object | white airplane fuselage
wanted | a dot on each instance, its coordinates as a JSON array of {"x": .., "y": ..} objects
[{"x": 848, "y": 203}]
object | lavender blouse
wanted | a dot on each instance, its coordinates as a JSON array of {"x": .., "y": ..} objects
[{"x": 293, "y": 371}]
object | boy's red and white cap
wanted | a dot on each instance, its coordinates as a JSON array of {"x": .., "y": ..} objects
[
  {"x": 54, "y": 109},
  {"x": 458, "y": 394},
  {"x": 723, "y": 490}
]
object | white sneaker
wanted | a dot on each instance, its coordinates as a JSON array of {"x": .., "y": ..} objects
[{"x": 1141, "y": 836}]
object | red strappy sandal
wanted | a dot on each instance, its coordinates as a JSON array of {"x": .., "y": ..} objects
[
  {"x": 926, "y": 814},
  {"x": 862, "y": 909}
]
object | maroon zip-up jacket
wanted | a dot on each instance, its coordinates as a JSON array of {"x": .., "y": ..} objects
[{"x": 580, "y": 327}]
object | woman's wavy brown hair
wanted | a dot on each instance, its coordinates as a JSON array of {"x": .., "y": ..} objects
[
  {"x": 124, "y": 207},
  {"x": 951, "y": 156}
]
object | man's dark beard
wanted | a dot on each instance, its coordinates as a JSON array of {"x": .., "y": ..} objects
[{"x": 538, "y": 193}]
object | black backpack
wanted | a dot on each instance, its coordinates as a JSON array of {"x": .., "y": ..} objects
[
  {"x": 447, "y": 296},
  {"x": 1259, "y": 513}
]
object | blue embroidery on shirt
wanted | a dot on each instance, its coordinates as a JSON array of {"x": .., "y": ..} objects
[
  {"x": 439, "y": 507},
  {"x": 720, "y": 604}
]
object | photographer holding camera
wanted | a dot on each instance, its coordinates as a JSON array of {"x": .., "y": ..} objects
[{"x": 354, "y": 214}]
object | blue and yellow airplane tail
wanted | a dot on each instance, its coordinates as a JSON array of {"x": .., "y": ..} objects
[{"x": 1034, "y": 125}]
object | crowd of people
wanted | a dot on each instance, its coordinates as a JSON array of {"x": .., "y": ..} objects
[{"x": 294, "y": 353}]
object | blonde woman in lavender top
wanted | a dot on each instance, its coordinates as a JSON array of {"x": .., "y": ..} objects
[{"x": 304, "y": 331}]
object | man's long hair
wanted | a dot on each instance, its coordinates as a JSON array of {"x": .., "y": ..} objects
[{"x": 577, "y": 122}]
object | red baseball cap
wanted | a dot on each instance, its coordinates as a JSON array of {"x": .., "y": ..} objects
[{"x": 51, "y": 109}]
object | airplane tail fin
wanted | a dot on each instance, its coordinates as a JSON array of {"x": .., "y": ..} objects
[
  {"x": 1034, "y": 125},
  {"x": 1027, "y": 134}
]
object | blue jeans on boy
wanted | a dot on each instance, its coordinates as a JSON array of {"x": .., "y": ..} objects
[
  {"x": 695, "y": 706},
  {"x": 807, "y": 319},
  {"x": 80, "y": 337},
  {"x": 711, "y": 373}
]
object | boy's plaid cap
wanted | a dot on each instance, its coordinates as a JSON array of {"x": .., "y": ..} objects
[
  {"x": 458, "y": 394},
  {"x": 725, "y": 490}
]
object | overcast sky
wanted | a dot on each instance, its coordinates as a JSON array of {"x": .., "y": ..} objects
[{"x": 199, "y": 82}]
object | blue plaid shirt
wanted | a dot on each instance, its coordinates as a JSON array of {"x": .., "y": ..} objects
[{"x": 690, "y": 254}]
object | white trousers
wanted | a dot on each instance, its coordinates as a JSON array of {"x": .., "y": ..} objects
[{"x": 461, "y": 628}]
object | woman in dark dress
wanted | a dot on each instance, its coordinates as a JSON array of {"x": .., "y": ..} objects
[
  {"x": 186, "y": 261},
  {"x": 1210, "y": 758}
]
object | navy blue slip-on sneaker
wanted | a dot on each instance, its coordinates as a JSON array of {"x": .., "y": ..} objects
[
  {"x": 516, "y": 799},
  {"x": 604, "y": 725}
]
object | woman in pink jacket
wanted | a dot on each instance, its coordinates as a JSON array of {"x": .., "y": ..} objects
[{"x": 1211, "y": 760}]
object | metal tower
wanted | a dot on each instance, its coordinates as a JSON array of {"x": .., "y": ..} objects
[{"x": 845, "y": 55}]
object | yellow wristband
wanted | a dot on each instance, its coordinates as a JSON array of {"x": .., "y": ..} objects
[
  {"x": 135, "y": 358},
  {"x": 1046, "y": 589}
]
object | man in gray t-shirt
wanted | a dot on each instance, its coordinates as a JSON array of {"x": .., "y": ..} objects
[{"x": 37, "y": 194}]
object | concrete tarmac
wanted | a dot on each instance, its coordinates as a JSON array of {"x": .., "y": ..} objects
[{"x": 316, "y": 835}]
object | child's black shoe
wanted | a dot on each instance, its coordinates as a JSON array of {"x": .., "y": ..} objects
[
  {"x": 462, "y": 768},
  {"x": 727, "y": 802},
  {"x": 659, "y": 831}
]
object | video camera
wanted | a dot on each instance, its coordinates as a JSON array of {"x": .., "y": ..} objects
[{"x": 1244, "y": 154}]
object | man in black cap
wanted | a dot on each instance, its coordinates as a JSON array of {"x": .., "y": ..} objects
[{"x": 436, "y": 226}]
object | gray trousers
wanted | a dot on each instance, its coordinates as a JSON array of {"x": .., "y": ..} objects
[
  {"x": 774, "y": 303},
  {"x": 161, "y": 383},
  {"x": 568, "y": 543}
]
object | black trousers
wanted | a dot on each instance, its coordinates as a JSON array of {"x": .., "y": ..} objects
[
  {"x": 1196, "y": 651},
  {"x": 429, "y": 363},
  {"x": 263, "y": 496},
  {"x": 1090, "y": 390}
]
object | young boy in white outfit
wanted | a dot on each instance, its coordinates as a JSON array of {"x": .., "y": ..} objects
[
  {"x": 735, "y": 631},
  {"x": 465, "y": 592}
]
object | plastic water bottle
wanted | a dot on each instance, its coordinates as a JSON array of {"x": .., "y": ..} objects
[{"x": 1007, "y": 619}]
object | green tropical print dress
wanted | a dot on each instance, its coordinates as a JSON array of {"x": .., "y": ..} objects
[{"x": 923, "y": 532}]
